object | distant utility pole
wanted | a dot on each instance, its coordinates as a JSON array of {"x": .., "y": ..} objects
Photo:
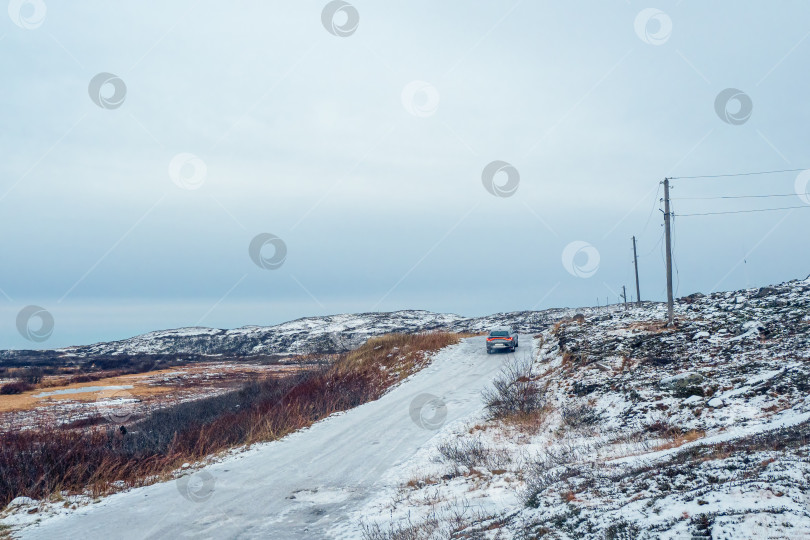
[
  {"x": 635, "y": 261},
  {"x": 624, "y": 295},
  {"x": 667, "y": 219}
]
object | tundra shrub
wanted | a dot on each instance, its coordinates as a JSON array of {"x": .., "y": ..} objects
[
  {"x": 17, "y": 387},
  {"x": 577, "y": 416},
  {"x": 467, "y": 452},
  {"x": 33, "y": 375},
  {"x": 515, "y": 391}
]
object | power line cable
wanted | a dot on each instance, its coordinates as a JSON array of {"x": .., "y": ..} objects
[
  {"x": 744, "y": 211},
  {"x": 672, "y": 214},
  {"x": 732, "y": 197},
  {"x": 658, "y": 243},
  {"x": 652, "y": 210},
  {"x": 736, "y": 174}
]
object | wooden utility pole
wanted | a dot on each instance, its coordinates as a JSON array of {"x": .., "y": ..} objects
[
  {"x": 624, "y": 295},
  {"x": 667, "y": 219},
  {"x": 635, "y": 262}
]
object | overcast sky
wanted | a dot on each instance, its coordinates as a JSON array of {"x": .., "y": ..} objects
[{"x": 356, "y": 137}]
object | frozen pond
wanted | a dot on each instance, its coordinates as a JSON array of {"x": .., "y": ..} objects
[{"x": 82, "y": 390}]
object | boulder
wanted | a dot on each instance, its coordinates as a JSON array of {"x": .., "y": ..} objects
[
  {"x": 762, "y": 292},
  {"x": 22, "y": 501}
]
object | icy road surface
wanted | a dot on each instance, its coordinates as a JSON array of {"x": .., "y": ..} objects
[{"x": 301, "y": 486}]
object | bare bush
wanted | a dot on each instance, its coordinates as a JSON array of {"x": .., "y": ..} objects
[
  {"x": 578, "y": 416},
  {"x": 33, "y": 375},
  {"x": 499, "y": 458},
  {"x": 16, "y": 387},
  {"x": 405, "y": 530},
  {"x": 555, "y": 466},
  {"x": 456, "y": 519},
  {"x": 566, "y": 480},
  {"x": 622, "y": 530},
  {"x": 554, "y": 457},
  {"x": 515, "y": 391},
  {"x": 467, "y": 451}
]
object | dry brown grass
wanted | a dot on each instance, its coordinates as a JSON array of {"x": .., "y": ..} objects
[
  {"x": 395, "y": 356},
  {"x": 28, "y": 400},
  {"x": 567, "y": 361},
  {"x": 782, "y": 405},
  {"x": 578, "y": 319},
  {"x": 419, "y": 482},
  {"x": 764, "y": 463},
  {"x": 648, "y": 327},
  {"x": 681, "y": 439},
  {"x": 530, "y": 423},
  {"x": 144, "y": 385},
  {"x": 627, "y": 364}
]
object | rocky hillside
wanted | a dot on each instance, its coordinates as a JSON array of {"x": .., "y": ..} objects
[{"x": 639, "y": 431}]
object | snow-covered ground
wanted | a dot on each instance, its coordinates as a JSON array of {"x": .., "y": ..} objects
[
  {"x": 301, "y": 486},
  {"x": 702, "y": 431}
]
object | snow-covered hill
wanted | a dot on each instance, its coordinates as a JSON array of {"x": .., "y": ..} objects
[
  {"x": 327, "y": 334},
  {"x": 312, "y": 334}
]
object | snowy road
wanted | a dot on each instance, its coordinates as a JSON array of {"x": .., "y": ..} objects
[{"x": 303, "y": 485}]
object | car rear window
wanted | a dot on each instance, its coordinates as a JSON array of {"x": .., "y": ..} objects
[{"x": 499, "y": 333}]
